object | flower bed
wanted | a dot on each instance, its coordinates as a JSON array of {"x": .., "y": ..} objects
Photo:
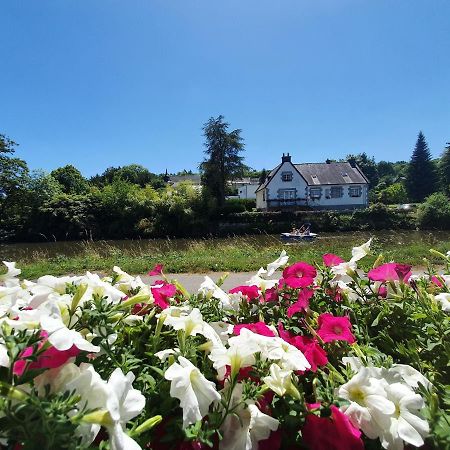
[{"x": 326, "y": 357}]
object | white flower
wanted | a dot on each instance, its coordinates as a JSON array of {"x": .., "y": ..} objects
[
  {"x": 369, "y": 407},
  {"x": 244, "y": 429},
  {"x": 223, "y": 330},
  {"x": 210, "y": 289},
  {"x": 9, "y": 278},
  {"x": 273, "y": 266},
  {"x": 361, "y": 251},
  {"x": 444, "y": 300},
  {"x": 406, "y": 423},
  {"x": 193, "y": 390},
  {"x": 4, "y": 358},
  {"x": 280, "y": 381},
  {"x": 164, "y": 354},
  {"x": 191, "y": 323},
  {"x": 411, "y": 376},
  {"x": 262, "y": 283},
  {"x": 62, "y": 338}
]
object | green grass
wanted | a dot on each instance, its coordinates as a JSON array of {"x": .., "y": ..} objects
[{"x": 244, "y": 253}]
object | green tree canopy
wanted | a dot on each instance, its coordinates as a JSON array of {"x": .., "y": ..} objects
[
  {"x": 444, "y": 169},
  {"x": 421, "y": 178},
  {"x": 70, "y": 179},
  {"x": 223, "y": 162}
]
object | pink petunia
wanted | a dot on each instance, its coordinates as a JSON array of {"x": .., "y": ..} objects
[
  {"x": 300, "y": 270},
  {"x": 296, "y": 283},
  {"x": 390, "y": 272},
  {"x": 257, "y": 327},
  {"x": 435, "y": 280},
  {"x": 331, "y": 433},
  {"x": 251, "y": 292},
  {"x": 161, "y": 292},
  {"x": 312, "y": 350},
  {"x": 302, "y": 302},
  {"x": 333, "y": 328},
  {"x": 157, "y": 270},
  {"x": 331, "y": 260},
  {"x": 271, "y": 295}
]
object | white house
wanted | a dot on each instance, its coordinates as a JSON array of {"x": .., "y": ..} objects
[
  {"x": 329, "y": 185},
  {"x": 246, "y": 187}
]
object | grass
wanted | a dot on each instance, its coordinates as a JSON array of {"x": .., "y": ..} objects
[{"x": 244, "y": 253}]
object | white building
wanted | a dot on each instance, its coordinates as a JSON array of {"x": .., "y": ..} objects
[{"x": 330, "y": 185}]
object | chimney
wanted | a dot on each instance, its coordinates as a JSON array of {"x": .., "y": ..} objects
[
  {"x": 328, "y": 161},
  {"x": 352, "y": 162},
  {"x": 286, "y": 158}
]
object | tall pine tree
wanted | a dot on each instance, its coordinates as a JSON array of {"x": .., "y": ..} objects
[
  {"x": 223, "y": 162},
  {"x": 421, "y": 176},
  {"x": 444, "y": 169}
]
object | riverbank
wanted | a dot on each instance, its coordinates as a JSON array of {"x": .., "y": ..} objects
[{"x": 236, "y": 254}]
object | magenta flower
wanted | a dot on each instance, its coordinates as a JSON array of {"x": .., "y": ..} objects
[
  {"x": 300, "y": 270},
  {"x": 331, "y": 260},
  {"x": 302, "y": 302},
  {"x": 435, "y": 280},
  {"x": 271, "y": 295},
  {"x": 162, "y": 291},
  {"x": 157, "y": 270},
  {"x": 296, "y": 283},
  {"x": 390, "y": 272},
  {"x": 257, "y": 327},
  {"x": 251, "y": 292},
  {"x": 333, "y": 328},
  {"x": 331, "y": 433}
]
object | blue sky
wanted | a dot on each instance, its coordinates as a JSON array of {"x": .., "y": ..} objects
[{"x": 103, "y": 83}]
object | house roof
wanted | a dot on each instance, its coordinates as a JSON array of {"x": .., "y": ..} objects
[
  {"x": 194, "y": 178},
  {"x": 331, "y": 173},
  {"x": 319, "y": 174}
]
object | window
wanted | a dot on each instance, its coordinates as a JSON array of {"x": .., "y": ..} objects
[
  {"x": 354, "y": 191},
  {"x": 315, "y": 192},
  {"x": 286, "y": 194},
  {"x": 286, "y": 176},
  {"x": 336, "y": 192}
]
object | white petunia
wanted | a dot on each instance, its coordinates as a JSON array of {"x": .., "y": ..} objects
[
  {"x": 193, "y": 390},
  {"x": 406, "y": 424},
  {"x": 164, "y": 354},
  {"x": 361, "y": 251},
  {"x": 411, "y": 376},
  {"x": 210, "y": 289},
  {"x": 279, "y": 262},
  {"x": 4, "y": 358},
  {"x": 62, "y": 338},
  {"x": 10, "y": 277},
  {"x": 280, "y": 381},
  {"x": 444, "y": 300}
]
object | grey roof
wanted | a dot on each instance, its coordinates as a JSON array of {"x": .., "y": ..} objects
[
  {"x": 325, "y": 174},
  {"x": 194, "y": 178},
  {"x": 332, "y": 173}
]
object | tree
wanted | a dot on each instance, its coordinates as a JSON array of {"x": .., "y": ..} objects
[
  {"x": 70, "y": 179},
  {"x": 367, "y": 165},
  {"x": 263, "y": 176},
  {"x": 223, "y": 162},
  {"x": 421, "y": 178},
  {"x": 444, "y": 169}
]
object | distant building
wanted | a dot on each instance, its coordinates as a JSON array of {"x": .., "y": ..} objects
[
  {"x": 246, "y": 187},
  {"x": 175, "y": 180},
  {"x": 329, "y": 185}
]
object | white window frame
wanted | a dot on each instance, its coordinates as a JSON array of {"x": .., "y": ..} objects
[
  {"x": 287, "y": 176},
  {"x": 354, "y": 191},
  {"x": 336, "y": 192},
  {"x": 315, "y": 192}
]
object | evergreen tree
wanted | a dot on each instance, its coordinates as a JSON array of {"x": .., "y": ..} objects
[
  {"x": 223, "y": 162},
  {"x": 263, "y": 176},
  {"x": 444, "y": 169},
  {"x": 368, "y": 166},
  {"x": 421, "y": 176}
]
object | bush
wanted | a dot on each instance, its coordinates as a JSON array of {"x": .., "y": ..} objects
[{"x": 434, "y": 213}]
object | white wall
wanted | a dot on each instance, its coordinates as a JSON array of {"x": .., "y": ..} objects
[
  {"x": 345, "y": 200},
  {"x": 247, "y": 191},
  {"x": 277, "y": 183},
  {"x": 260, "y": 201}
]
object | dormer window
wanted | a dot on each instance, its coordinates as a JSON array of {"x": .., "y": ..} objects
[{"x": 286, "y": 176}]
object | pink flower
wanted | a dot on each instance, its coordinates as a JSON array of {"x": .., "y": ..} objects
[
  {"x": 257, "y": 327},
  {"x": 48, "y": 359},
  {"x": 271, "y": 295},
  {"x": 331, "y": 433},
  {"x": 333, "y": 328},
  {"x": 382, "y": 291},
  {"x": 162, "y": 291},
  {"x": 312, "y": 350},
  {"x": 296, "y": 283},
  {"x": 435, "y": 280},
  {"x": 251, "y": 292},
  {"x": 390, "y": 272},
  {"x": 157, "y": 270},
  {"x": 300, "y": 270},
  {"x": 302, "y": 302},
  {"x": 273, "y": 442},
  {"x": 331, "y": 260}
]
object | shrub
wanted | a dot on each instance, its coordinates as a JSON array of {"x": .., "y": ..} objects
[{"x": 434, "y": 213}]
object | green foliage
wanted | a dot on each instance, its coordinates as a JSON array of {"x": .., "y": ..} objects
[
  {"x": 367, "y": 165},
  {"x": 395, "y": 193},
  {"x": 133, "y": 173},
  {"x": 444, "y": 170},
  {"x": 70, "y": 179},
  {"x": 421, "y": 177},
  {"x": 434, "y": 213},
  {"x": 223, "y": 161}
]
